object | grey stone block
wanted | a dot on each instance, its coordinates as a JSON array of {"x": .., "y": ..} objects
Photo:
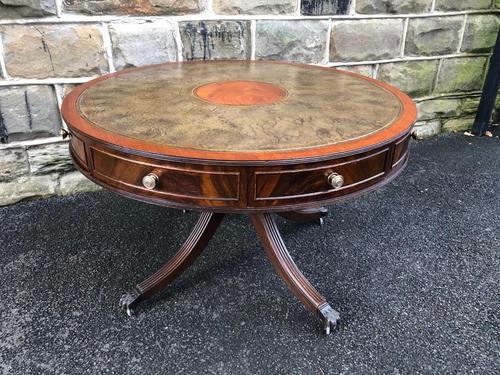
[
  {"x": 392, "y": 6},
  {"x": 365, "y": 70},
  {"x": 29, "y": 187},
  {"x": 136, "y": 44},
  {"x": 128, "y": 7},
  {"x": 438, "y": 108},
  {"x": 254, "y": 6},
  {"x": 447, "y": 5},
  {"x": 27, "y": 8},
  {"x": 50, "y": 158},
  {"x": 212, "y": 40},
  {"x": 480, "y": 33},
  {"x": 42, "y": 51},
  {"x": 28, "y": 112},
  {"x": 469, "y": 106},
  {"x": 365, "y": 40},
  {"x": 301, "y": 41},
  {"x": 427, "y": 129},
  {"x": 457, "y": 125},
  {"x": 415, "y": 78},
  {"x": 75, "y": 182},
  {"x": 461, "y": 74},
  {"x": 13, "y": 163},
  {"x": 67, "y": 88},
  {"x": 433, "y": 36},
  {"x": 321, "y": 7}
]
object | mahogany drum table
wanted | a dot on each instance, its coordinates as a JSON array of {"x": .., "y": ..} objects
[{"x": 239, "y": 136}]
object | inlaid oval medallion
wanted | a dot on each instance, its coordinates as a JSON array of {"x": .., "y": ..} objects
[{"x": 240, "y": 93}]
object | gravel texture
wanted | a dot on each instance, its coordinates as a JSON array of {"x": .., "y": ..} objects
[{"x": 413, "y": 269}]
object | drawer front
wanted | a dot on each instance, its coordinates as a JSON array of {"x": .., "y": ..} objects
[
  {"x": 78, "y": 148},
  {"x": 274, "y": 187},
  {"x": 175, "y": 183},
  {"x": 400, "y": 151}
]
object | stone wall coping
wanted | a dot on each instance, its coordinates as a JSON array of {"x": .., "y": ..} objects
[{"x": 33, "y": 142}]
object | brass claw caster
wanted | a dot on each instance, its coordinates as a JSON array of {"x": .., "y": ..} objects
[
  {"x": 330, "y": 318},
  {"x": 129, "y": 300}
]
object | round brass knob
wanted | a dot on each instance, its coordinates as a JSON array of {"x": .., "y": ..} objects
[
  {"x": 335, "y": 180},
  {"x": 150, "y": 181}
]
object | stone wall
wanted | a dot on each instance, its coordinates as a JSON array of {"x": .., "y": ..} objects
[{"x": 435, "y": 50}]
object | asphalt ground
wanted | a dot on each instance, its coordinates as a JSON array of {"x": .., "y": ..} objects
[{"x": 413, "y": 269}]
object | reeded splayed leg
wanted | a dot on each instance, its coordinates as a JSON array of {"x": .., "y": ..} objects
[
  {"x": 305, "y": 215},
  {"x": 202, "y": 232},
  {"x": 291, "y": 275}
]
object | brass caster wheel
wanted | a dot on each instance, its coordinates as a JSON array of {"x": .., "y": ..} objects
[
  {"x": 129, "y": 300},
  {"x": 330, "y": 318}
]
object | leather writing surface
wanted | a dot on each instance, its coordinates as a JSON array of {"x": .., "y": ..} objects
[{"x": 160, "y": 105}]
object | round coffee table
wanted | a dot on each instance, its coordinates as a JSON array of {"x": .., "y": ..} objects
[{"x": 239, "y": 136}]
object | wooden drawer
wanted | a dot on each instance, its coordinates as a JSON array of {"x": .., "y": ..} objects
[
  {"x": 175, "y": 182},
  {"x": 78, "y": 151},
  {"x": 400, "y": 151},
  {"x": 310, "y": 182}
]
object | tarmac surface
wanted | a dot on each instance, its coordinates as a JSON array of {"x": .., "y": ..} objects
[{"x": 413, "y": 269}]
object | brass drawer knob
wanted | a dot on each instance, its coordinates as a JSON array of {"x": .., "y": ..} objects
[
  {"x": 150, "y": 181},
  {"x": 335, "y": 180}
]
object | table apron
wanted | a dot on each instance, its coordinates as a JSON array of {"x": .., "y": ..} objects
[{"x": 233, "y": 187}]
